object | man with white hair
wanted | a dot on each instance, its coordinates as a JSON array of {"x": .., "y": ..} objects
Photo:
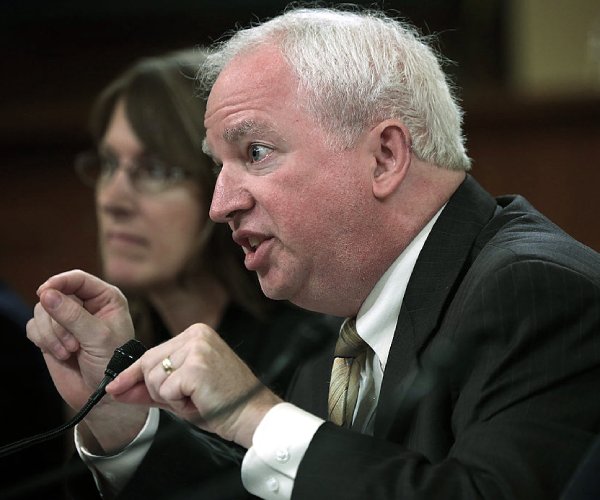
[{"x": 468, "y": 365}]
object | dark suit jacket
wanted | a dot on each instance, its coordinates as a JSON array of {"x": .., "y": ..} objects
[
  {"x": 490, "y": 389},
  {"x": 501, "y": 324},
  {"x": 585, "y": 483}
]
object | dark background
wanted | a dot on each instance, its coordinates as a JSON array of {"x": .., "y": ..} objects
[{"x": 56, "y": 56}]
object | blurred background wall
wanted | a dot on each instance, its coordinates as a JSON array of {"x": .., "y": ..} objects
[{"x": 527, "y": 72}]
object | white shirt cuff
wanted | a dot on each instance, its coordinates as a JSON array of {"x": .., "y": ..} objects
[
  {"x": 112, "y": 472},
  {"x": 278, "y": 446}
]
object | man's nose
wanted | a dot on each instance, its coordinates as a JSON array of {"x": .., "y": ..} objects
[{"x": 230, "y": 198}]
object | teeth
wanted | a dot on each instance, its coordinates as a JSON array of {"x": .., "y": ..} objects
[{"x": 254, "y": 242}]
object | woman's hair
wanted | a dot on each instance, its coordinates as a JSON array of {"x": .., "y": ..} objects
[
  {"x": 356, "y": 68},
  {"x": 167, "y": 115}
]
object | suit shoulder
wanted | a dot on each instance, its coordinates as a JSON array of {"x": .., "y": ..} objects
[{"x": 520, "y": 233}]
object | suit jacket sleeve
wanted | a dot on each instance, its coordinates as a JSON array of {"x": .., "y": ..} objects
[{"x": 184, "y": 462}]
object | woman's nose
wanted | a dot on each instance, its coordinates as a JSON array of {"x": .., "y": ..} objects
[{"x": 116, "y": 194}]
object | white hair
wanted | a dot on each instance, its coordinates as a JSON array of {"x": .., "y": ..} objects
[{"x": 356, "y": 69}]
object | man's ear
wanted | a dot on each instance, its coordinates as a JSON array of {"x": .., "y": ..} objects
[{"x": 392, "y": 151}]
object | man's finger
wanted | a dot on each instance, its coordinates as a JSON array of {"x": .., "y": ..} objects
[
  {"x": 94, "y": 293},
  {"x": 127, "y": 379},
  {"x": 138, "y": 395},
  {"x": 75, "y": 282},
  {"x": 42, "y": 331},
  {"x": 74, "y": 319}
]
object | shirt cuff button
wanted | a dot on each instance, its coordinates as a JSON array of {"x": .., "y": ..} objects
[
  {"x": 282, "y": 455},
  {"x": 273, "y": 484}
]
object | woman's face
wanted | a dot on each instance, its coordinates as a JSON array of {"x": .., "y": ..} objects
[{"x": 146, "y": 239}]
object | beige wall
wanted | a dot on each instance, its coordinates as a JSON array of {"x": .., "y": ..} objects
[{"x": 554, "y": 46}]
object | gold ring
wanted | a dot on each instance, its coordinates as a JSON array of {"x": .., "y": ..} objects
[{"x": 167, "y": 365}]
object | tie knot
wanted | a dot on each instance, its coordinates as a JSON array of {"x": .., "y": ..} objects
[{"x": 349, "y": 344}]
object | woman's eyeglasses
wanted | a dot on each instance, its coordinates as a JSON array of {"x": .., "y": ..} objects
[{"x": 147, "y": 175}]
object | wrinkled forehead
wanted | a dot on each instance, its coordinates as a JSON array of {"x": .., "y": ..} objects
[{"x": 251, "y": 87}]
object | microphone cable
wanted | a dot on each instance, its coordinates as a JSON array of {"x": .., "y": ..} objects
[{"x": 122, "y": 358}]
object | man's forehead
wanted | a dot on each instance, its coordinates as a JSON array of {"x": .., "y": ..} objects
[
  {"x": 251, "y": 71},
  {"x": 247, "y": 89}
]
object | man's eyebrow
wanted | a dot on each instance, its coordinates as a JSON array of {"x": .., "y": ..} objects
[
  {"x": 243, "y": 129},
  {"x": 238, "y": 132}
]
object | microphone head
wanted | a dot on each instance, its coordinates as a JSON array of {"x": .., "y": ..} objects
[{"x": 124, "y": 356}]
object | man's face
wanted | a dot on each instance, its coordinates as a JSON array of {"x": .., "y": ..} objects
[{"x": 297, "y": 206}]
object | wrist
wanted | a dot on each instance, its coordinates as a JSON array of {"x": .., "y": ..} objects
[
  {"x": 252, "y": 415},
  {"x": 110, "y": 428}
]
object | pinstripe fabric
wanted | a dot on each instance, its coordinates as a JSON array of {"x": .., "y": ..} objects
[{"x": 514, "y": 304}]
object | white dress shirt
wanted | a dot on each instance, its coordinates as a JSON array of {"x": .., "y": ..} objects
[
  {"x": 283, "y": 436},
  {"x": 111, "y": 472}
]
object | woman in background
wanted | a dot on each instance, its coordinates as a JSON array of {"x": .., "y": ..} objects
[{"x": 153, "y": 188}]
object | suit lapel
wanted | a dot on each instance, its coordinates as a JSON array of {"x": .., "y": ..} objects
[
  {"x": 442, "y": 261},
  {"x": 310, "y": 388}
]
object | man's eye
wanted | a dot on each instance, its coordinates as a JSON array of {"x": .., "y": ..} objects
[{"x": 258, "y": 152}]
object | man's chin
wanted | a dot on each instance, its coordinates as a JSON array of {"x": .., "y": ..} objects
[
  {"x": 281, "y": 290},
  {"x": 273, "y": 291}
]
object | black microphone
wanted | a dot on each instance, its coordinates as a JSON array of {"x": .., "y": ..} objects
[
  {"x": 309, "y": 339},
  {"x": 123, "y": 357}
]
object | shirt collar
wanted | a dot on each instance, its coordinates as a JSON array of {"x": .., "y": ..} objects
[{"x": 377, "y": 317}]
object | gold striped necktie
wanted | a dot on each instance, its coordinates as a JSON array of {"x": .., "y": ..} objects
[{"x": 350, "y": 355}]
